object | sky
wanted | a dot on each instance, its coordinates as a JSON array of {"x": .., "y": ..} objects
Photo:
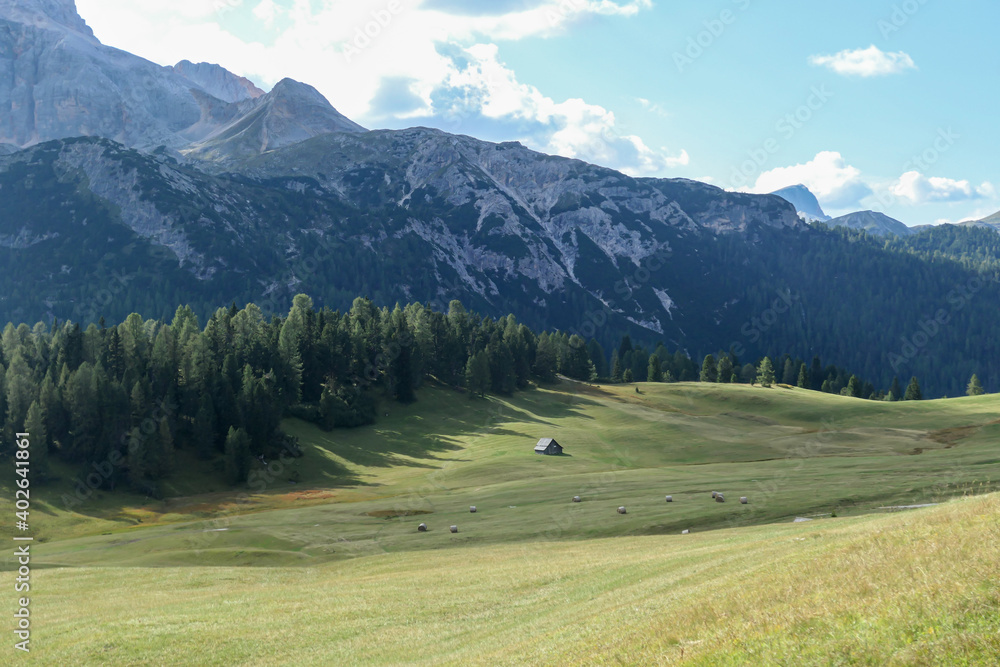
[{"x": 885, "y": 105}]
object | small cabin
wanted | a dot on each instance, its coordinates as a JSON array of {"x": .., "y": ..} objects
[{"x": 549, "y": 447}]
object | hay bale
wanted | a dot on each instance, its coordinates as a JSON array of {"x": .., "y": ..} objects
[
  {"x": 454, "y": 529},
  {"x": 577, "y": 499},
  {"x": 670, "y": 499},
  {"x": 719, "y": 498},
  {"x": 472, "y": 509},
  {"x": 621, "y": 510},
  {"x": 715, "y": 494},
  {"x": 422, "y": 528},
  {"x": 743, "y": 500}
]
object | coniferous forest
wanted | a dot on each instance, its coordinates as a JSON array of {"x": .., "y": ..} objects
[{"x": 121, "y": 399}]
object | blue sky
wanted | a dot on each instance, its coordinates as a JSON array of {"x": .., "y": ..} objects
[{"x": 876, "y": 104}]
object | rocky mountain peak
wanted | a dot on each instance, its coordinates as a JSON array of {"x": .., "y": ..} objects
[
  {"x": 804, "y": 201},
  {"x": 49, "y": 14},
  {"x": 218, "y": 81}
]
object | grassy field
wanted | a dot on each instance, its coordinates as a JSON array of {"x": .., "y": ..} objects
[
  {"x": 320, "y": 562},
  {"x": 919, "y": 588}
]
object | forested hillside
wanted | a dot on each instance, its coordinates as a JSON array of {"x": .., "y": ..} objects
[
  {"x": 89, "y": 229},
  {"x": 118, "y": 401}
]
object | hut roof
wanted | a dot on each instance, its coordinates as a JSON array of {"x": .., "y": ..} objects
[{"x": 544, "y": 443}]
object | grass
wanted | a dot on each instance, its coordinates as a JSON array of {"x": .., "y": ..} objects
[
  {"x": 918, "y": 588},
  {"x": 330, "y": 569}
]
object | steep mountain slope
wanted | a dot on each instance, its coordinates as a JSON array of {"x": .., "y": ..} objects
[
  {"x": 991, "y": 222},
  {"x": 290, "y": 113},
  {"x": 218, "y": 81},
  {"x": 872, "y": 222},
  {"x": 58, "y": 81},
  {"x": 805, "y": 202},
  {"x": 91, "y": 229}
]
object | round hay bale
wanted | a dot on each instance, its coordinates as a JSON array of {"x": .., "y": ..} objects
[
  {"x": 719, "y": 498},
  {"x": 715, "y": 494},
  {"x": 577, "y": 499},
  {"x": 422, "y": 528},
  {"x": 472, "y": 509},
  {"x": 744, "y": 500},
  {"x": 621, "y": 510},
  {"x": 454, "y": 529},
  {"x": 670, "y": 499}
]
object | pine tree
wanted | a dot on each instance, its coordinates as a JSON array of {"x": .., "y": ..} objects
[
  {"x": 788, "y": 372},
  {"x": 655, "y": 372},
  {"x": 913, "y": 392},
  {"x": 974, "y": 388},
  {"x": 709, "y": 370},
  {"x": 205, "y": 428},
  {"x": 854, "y": 387},
  {"x": 598, "y": 358},
  {"x": 580, "y": 367},
  {"x": 237, "y": 456},
  {"x": 765, "y": 374},
  {"x": 545, "y": 359},
  {"x": 616, "y": 367},
  {"x": 34, "y": 425},
  {"x": 804, "y": 382},
  {"x": 164, "y": 443},
  {"x": 725, "y": 369},
  {"x": 627, "y": 377},
  {"x": 896, "y": 391},
  {"x": 477, "y": 374}
]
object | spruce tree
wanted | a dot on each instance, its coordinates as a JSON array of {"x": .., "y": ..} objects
[
  {"x": 655, "y": 372},
  {"x": 804, "y": 382},
  {"x": 477, "y": 374},
  {"x": 765, "y": 374},
  {"x": 896, "y": 391},
  {"x": 545, "y": 359},
  {"x": 854, "y": 387},
  {"x": 616, "y": 367},
  {"x": 627, "y": 377},
  {"x": 34, "y": 425},
  {"x": 204, "y": 428},
  {"x": 709, "y": 370},
  {"x": 237, "y": 456},
  {"x": 974, "y": 388},
  {"x": 725, "y": 369},
  {"x": 788, "y": 372},
  {"x": 913, "y": 392}
]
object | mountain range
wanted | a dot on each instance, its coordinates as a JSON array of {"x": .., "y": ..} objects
[
  {"x": 128, "y": 186},
  {"x": 872, "y": 222},
  {"x": 804, "y": 201}
]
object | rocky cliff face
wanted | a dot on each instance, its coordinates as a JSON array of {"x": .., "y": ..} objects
[
  {"x": 290, "y": 113},
  {"x": 58, "y": 81},
  {"x": 420, "y": 213},
  {"x": 218, "y": 81}
]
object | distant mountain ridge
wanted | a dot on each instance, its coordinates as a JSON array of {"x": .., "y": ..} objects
[
  {"x": 804, "y": 201},
  {"x": 58, "y": 81},
  {"x": 872, "y": 222},
  {"x": 218, "y": 81}
]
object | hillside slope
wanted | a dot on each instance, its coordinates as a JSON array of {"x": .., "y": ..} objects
[{"x": 914, "y": 588}]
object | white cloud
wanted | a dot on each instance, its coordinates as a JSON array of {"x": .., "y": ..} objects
[
  {"x": 865, "y": 62},
  {"x": 391, "y": 63},
  {"x": 481, "y": 87},
  {"x": 266, "y": 11},
  {"x": 652, "y": 107},
  {"x": 919, "y": 189},
  {"x": 834, "y": 182}
]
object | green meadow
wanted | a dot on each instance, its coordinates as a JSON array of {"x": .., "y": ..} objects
[{"x": 320, "y": 561}]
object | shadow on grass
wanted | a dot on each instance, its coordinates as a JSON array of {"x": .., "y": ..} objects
[{"x": 442, "y": 421}]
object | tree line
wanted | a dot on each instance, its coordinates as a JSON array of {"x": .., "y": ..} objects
[{"x": 122, "y": 399}]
